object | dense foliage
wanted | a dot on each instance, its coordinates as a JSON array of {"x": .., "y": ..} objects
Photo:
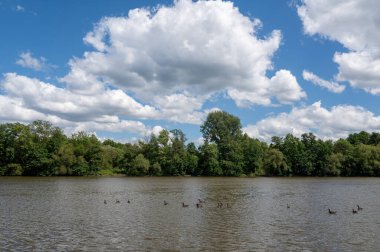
[{"x": 44, "y": 150}]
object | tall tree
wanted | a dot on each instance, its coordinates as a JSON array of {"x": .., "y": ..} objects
[
  {"x": 221, "y": 127},
  {"x": 224, "y": 130}
]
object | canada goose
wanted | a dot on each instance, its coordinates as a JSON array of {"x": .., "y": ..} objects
[
  {"x": 128, "y": 202},
  {"x": 184, "y": 205},
  {"x": 117, "y": 201},
  {"x": 354, "y": 211},
  {"x": 105, "y": 201},
  {"x": 165, "y": 203},
  {"x": 199, "y": 205},
  {"x": 331, "y": 211},
  {"x": 359, "y": 208},
  {"x": 287, "y": 206}
]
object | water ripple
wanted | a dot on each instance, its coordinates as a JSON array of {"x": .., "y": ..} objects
[{"x": 69, "y": 214}]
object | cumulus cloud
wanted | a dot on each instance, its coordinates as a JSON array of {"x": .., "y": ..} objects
[
  {"x": 354, "y": 24},
  {"x": 361, "y": 69},
  {"x": 28, "y": 61},
  {"x": 50, "y": 99},
  {"x": 329, "y": 85},
  {"x": 335, "y": 123},
  {"x": 181, "y": 108},
  {"x": 27, "y": 99},
  {"x": 13, "y": 110},
  {"x": 160, "y": 64},
  {"x": 113, "y": 126},
  {"x": 201, "y": 48},
  {"x": 283, "y": 84}
]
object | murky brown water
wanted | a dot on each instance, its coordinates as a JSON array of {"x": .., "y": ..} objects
[{"x": 69, "y": 214}]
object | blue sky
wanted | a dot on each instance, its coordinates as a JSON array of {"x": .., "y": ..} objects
[{"x": 126, "y": 69}]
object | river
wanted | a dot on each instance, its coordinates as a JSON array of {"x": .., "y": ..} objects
[{"x": 70, "y": 214}]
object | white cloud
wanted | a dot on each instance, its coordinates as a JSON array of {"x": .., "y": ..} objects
[
  {"x": 28, "y": 99},
  {"x": 12, "y": 110},
  {"x": 201, "y": 48},
  {"x": 154, "y": 130},
  {"x": 28, "y": 61},
  {"x": 116, "y": 126},
  {"x": 20, "y": 8},
  {"x": 47, "y": 98},
  {"x": 286, "y": 88},
  {"x": 335, "y": 123},
  {"x": 105, "y": 105},
  {"x": 361, "y": 69},
  {"x": 181, "y": 108},
  {"x": 354, "y": 24},
  {"x": 329, "y": 85},
  {"x": 283, "y": 84},
  {"x": 161, "y": 64}
]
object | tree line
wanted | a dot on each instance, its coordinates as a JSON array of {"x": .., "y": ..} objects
[{"x": 41, "y": 149}]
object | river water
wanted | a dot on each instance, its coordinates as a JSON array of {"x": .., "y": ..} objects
[{"x": 69, "y": 214}]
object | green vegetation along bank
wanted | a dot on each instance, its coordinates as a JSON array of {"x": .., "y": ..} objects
[{"x": 41, "y": 149}]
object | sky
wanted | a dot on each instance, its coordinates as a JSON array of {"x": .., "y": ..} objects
[{"x": 124, "y": 70}]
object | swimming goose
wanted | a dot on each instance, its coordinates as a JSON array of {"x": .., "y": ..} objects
[
  {"x": 331, "y": 211},
  {"x": 165, "y": 203},
  {"x": 184, "y": 205},
  {"x": 359, "y": 208}
]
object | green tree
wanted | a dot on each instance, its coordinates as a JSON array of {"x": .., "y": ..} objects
[
  {"x": 274, "y": 163},
  {"x": 334, "y": 164},
  {"x": 130, "y": 152},
  {"x": 155, "y": 169},
  {"x": 253, "y": 152},
  {"x": 374, "y": 139},
  {"x": 139, "y": 167},
  {"x": 64, "y": 160},
  {"x": 20, "y": 148},
  {"x": 111, "y": 157},
  {"x": 209, "y": 161},
  {"x": 296, "y": 156},
  {"x": 88, "y": 148},
  {"x": 359, "y": 138},
  {"x": 192, "y": 159},
  {"x": 221, "y": 127},
  {"x": 11, "y": 170},
  {"x": 224, "y": 130},
  {"x": 366, "y": 160},
  {"x": 346, "y": 157},
  {"x": 316, "y": 154},
  {"x": 177, "y": 153}
]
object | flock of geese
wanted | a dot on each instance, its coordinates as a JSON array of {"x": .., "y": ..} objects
[
  {"x": 117, "y": 201},
  {"x": 199, "y": 204},
  {"x": 354, "y": 211}
]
